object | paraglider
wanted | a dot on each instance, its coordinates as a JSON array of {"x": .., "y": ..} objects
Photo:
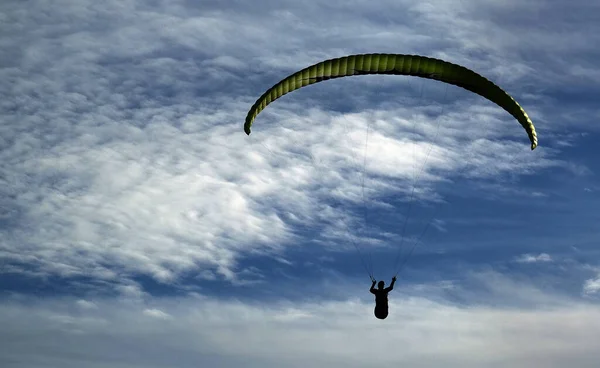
[{"x": 393, "y": 64}]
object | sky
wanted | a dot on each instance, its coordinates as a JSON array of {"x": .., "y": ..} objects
[{"x": 141, "y": 227}]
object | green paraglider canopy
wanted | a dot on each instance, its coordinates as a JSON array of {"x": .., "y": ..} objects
[{"x": 395, "y": 64}]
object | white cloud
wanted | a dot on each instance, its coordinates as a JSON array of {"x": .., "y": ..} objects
[
  {"x": 533, "y": 258},
  {"x": 591, "y": 286},
  {"x": 156, "y": 313}
]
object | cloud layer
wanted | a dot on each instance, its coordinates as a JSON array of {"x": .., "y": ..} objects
[{"x": 199, "y": 330}]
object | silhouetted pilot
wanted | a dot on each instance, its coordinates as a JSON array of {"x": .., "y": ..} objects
[{"x": 381, "y": 299}]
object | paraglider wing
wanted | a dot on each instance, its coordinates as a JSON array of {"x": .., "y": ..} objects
[{"x": 397, "y": 64}]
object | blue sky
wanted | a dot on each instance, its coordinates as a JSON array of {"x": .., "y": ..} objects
[{"x": 140, "y": 226}]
